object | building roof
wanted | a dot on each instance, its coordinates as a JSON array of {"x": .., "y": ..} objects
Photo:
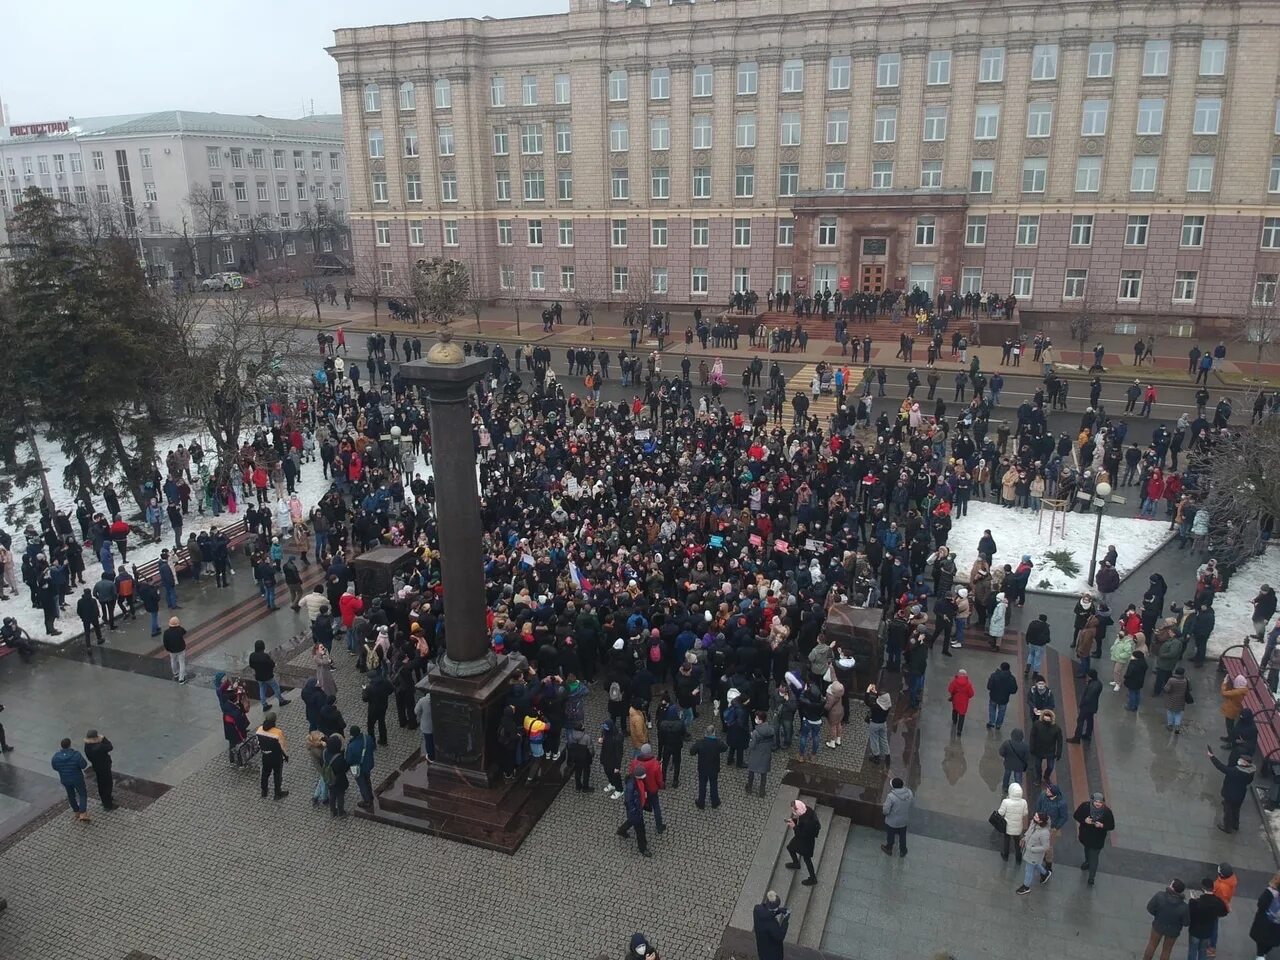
[{"x": 318, "y": 127}]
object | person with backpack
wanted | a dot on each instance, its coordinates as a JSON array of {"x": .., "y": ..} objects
[
  {"x": 359, "y": 756},
  {"x": 635, "y": 796},
  {"x": 334, "y": 767}
]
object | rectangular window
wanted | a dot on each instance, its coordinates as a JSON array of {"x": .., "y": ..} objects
[
  {"x": 564, "y": 137},
  {"x": 971, "y": 280},
  {"x": 982, "y": 176},
  {"x": 931, "y": 175},
  {"x": 788, "y": 179},
  {"x": 926, "y": 231},
  {"x": 1135, "y": 230},
  {"x": 529, "y": 90},
  {"x": 506, "y": 277},
  {"x": 301, "y": 189},
  {"x": 1264, "y": 290},
  {"x": 702, "y": 183},
  {"x": 334, "y": 162},
  {"x": 744, "y": 180},
  {"x": 659, "y": 133},
  {"x": 986, "y": 121},
  {"x": 620, "y": 184},
  {"x": 413, "y": 187},
  {"x": 834, "y": 175},
  {"x": 382, "y": 233},
  {"x": 1200, "y": 174},
  {"x": 535, "y": 185},
  {"x": 298, "y": 162},
  {"x": 619, "y": 85},
  {"x": 563, "y": 88},
  {"x": 700, "y": 235},
  {"x": 838, "y": 70},
  {"x": 282, "y": 191},
  {"x": 1028, "y": 234},
  {"x": 1155, "y": 58},
  {"x": 786, "y": 231},
  {"x": 660, "y": 83},
  {"x": 1023, "y": 283},
  {"x": 416, "y": 235},
  {"x": 938, "y": 70},
  {"x": 1074, "y": 284},
  {"x": 741, "y": 280},
  {"x": 531, "y": 138},
  {"x": 698, "y": 280},
  {"x": 379, "y": 188},
  {"x": 935, "y": 124},
  {"x": 450, "y": 233},
  {"x": 42, "y": 163},
  {"x": 882, "y": 175},
  {"x": 500, "y": 144},
  {"x": 534, "y": 230},
  {"x": 76, "y": 166},
  {"x": 104, "y": 192},
  {"x": 1039, "y": 118},
  {"x": 444, "y": 140},
  {"x": 991, "y": 65},
  {"x": 782, "y": 280},
  {"x": 837, "y": 126},
  {"x": 537, "y": 277},
  {"x": 660, "y": 183},
  {"x": 1151, "y": 116},
  {"x": 408, "y": 96},
  {"x": 240, "y": 188},
  {"x": 144, "y": 159},
  {"x": 1184, "y": 286},
  {"x": 1044, "y": 62},
  {"x": 886, "y": 128},
  {"x": 658, "y": 279},
  {"x": 657, "y": 233},
  {"x": 1102, "y": 57},
  {"x": 703, "y": 80},
  {"x": 620, "y": 279},
  {"x": 82, "y": 194},
  {"x": 1192, "y": 231},
  {"x": 748, "y": 79},
  {"x": 376, "y": 148},
  {"x": 1273, "y": 177},
  {"x": 1035, "y": 171},
  {"x": 449, "y": 186},
  {"x": 502, "y": 185},
  {"x": 742, "y": 232},
  {"x": 1142, "y": 177},
  {"x": 149, "y": 192},
  {"x": 1088, "y": 174},
  {"x": 1208, "y": 116},
  {"x": 827, "y": 231},
  {"x": 505, "y": 238},
  {"x": 746, "y": 130},
  {"x": 619, "y": 136},
  {"x": 1213, "y": 58},
  {"x": 792, "y": 76},
  {"x": 1093, "y": 118},
  {"x": 277, "y": 159},
  {"x": 409, "y": 137},
  {"x": 1271, "y": 233},
  {"x": 386, "y": 274},
  {"x": 237, "y": 158},
  {"x": 701, "y": 131},
  {"x": 888, "y": 70},
  {"x": 568, "y": 282},
  {"x": 263, "y": 195},
  {"x": 497, "y": 92},
  {"x": 1082, "y": 230},
  {"x": 564, "y": 184},
  {"x": 789, "y": 129}
]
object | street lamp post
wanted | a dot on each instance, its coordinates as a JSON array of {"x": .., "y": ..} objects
[{"x": 1101, "y": 497}]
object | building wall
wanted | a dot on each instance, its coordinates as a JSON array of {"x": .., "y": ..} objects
[{"x": 595, "y": 38}]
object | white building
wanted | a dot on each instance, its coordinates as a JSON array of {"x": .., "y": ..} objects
[{"x": 274, "y": 189}]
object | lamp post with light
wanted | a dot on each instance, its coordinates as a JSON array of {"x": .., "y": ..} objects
[{"x": 1101, "y": 497}]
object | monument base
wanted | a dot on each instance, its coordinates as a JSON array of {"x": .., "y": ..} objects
[{"x": 462, "y": 796}]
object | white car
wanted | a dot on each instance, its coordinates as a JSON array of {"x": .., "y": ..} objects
[{"x": 222, "y": 281}]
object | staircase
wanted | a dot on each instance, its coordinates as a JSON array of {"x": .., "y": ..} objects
[
  {"x": 824, "y": 406},
  {"x": 809, "y": 905},
  {"x": 879, "y": 329}
]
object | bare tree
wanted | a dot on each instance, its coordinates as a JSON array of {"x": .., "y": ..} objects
[
  {"x": 184, "y": 232},
  {"x": 368, "y": 282},
  {"x": 1242, "y": 488},
  {"x": 441, "y": 288},
  {"x": 1260, "y": 324},
  {"x": 591, "y": 291},
  {"x": 254, "y": 230},
  {"x": 276, "y": 287},
  {"x": 209, "y": 217}
]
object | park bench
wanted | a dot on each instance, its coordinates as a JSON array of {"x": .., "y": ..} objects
[
  {"x": 1239, "y": 661},
  {"x": 235, "y": 531}
]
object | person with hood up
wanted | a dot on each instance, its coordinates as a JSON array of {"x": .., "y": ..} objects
[
  {"x": 635, "y": 797},
  {"x": 1045, "y": 744},
  {"x": 960, "y": 691},
  {"x": 769, "y": 922},
  {"x": 1036, "y": 844},
  {"x": 671, "y": 738},
  {"x": 897, "y": 814},
  {"x": 97, "y": 750},
  {"x": 804, "y": 834},
  {"x": 1014, "y": 810},
  {"x": 1236, "y": 780},
  {"x": 1176, "y": 697},
  {"x": 1016, "y": 756},
  {"x": 1087, "y": 709},
  {"x": 610, "y": 743},
  {"x": 760, "y": 749},
  {"x": 1135, "y": 675},
  {"x": 1169, "y": 914},
  {"x": 999, "y": 617},
  {"x": 1053, "y": 806},
  {"x": 641, "y": 948},
  {"x": 878, "y": 707}
]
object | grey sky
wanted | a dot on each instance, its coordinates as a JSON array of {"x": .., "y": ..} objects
[{"x": 89, "y": 58}]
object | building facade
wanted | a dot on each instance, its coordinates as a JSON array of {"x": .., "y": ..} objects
[
  {"x": 1117, "y": 158},
  {"x": 197, "y": 192}
]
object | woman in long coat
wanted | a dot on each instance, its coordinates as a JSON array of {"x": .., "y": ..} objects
[{"x": 760, "y": 752}]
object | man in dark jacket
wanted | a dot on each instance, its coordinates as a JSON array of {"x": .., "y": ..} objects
[
  {"x": 377, "y": 694},
  {"x": 1037, "y": 640},
  {"x": 1235, "y": 788},
  {"x": 1169, "y": 914},
  {"x": 359, "y": 756},
  {"x": 97, "y": 750},
  {"x": 1203, "y": 914},
  {"x": 90, "y": 617},
  {"x": 263, "y": 666},
  {"x": 1089, "y": 697},
  {"x": 1045, "y": 744},
  {"x": 1096, "y": 821},
  {"x": 804, "y": 835},
  {"x": 1001, "y": 686},
  {"x": 708, "y": 750},
  {"x": 70, "y": 765},
  {"x": 1016, "y": 759},
  {"x": 150, "y": 598},
  {"x": 175, "y": 644},
  {"x": 769, "y": 921},
  {"x": 634, "y": 796}
]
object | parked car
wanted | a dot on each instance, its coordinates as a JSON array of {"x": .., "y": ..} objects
[
  {"x": 222, "y": 281},
  {"x": 251, "y": 282}
]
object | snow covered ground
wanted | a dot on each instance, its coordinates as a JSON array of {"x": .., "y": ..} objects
[
  {"x": 1015, "y": 534},
  {"x": 1233, "y": 613}
]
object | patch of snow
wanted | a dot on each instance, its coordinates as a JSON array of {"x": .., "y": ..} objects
[
  {"x": 1232, "y": 610},
  {"x": 1016, "y": 535}
]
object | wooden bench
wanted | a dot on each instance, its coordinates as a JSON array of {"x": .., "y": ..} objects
[
  {"x": 236, "y": 533},
  {"x": 1239, "y": 661}
]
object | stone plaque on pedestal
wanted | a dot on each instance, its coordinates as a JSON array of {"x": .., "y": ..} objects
[{"x": 375, "y": 569}]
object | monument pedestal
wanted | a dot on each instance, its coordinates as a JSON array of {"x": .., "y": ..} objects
[{"x": 462, "y": 796}]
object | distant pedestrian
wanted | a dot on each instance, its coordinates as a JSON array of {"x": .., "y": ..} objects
[
  {"x": 769, "y": 921},
  {"x": 1087, "y": 710},
  {"x": 175, "y": 644},
  {"x": 1001, "y": 686},
  {"x": 333, "y": 771},
  {"x": 1265, "y": 931},
  {"x": 641, "y": 948},
  {"x": 1016, "y": 754},
  {"x": 70, "y": 765},
  {"x": 960, "y": 691},
  {"x": 97, "y": 750},
  {"x": 897, "y": 814},
  {"x": 760, "y": 749},
  {"x": 1169, "y": 914}
]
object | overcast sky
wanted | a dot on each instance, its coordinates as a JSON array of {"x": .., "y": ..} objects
[{"x": 87, "y": 58}]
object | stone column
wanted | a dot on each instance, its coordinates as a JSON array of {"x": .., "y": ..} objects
[{"x": 448, "y": 377}]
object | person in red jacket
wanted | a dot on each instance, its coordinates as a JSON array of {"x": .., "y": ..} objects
[
  {"x": 260, "y": 480},
  {"x": 348, "y": 606},
  {"x": 1155, "y": 491},
  {"x": 653, "y": 782},
  {"x": 1148, "y": 399},
  {"x": 959, "y": 691}
]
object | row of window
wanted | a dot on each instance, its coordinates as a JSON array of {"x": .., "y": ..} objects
[
  {"x": 1156, "y": 58},
  {"x": 256, "y": 159},
  {"x": 407, "y": 96},
  {"x": 240, "y": 191}
]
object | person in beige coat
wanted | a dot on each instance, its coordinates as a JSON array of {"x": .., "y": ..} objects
[{"x": 835, "y": 712}]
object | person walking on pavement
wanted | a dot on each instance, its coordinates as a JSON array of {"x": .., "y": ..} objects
[
  {"x": 708, "y": 752},
  {"x": 1090, "y": 695},
  {"x": 90, "y": 618},
  {"x": 175, "y": 644},
  {"x": 1001, "y": 686},
  {"x": 769, "y": 922},
  {"x": 275, "y": 755},
  {"x": 1045, "y": 744},
  {"x": 333, "y": 770},
  {"x": 1096, "y": 821},
  {"x": 263, "y": 666},
  {"x": 70, "y": 765},
  {"x": 654, "y": 781},
  {"x": 1235, "y": 789},
  {"x": 1169, "y": 914},
  {"x": 360, "y": 754},
  {"x": 960, "y": 691},
  {"x": 97, "y": 750},
  {"x": 634, "y": 800},
  {"x": 760, "y": 749},
  {"x": 377, "y": 694},
  {"x": 897, "y": 814},
  {"x": 150, "y": 598},
  {"x": 5, "y": 745},
  {"x": 1013, "y": 808},
  {"x": 1204, "y": 911},
  {"x": 1035, "y": 844},
  {"x": 804, "y": 829},
  {"x": 1016, "y": 756},
  {"x": 1052, "y": 804}
]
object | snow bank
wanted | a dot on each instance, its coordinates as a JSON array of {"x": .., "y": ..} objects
[
  {"x": 1015, "y": 534},
  {"x": 1233, "y": 613}
]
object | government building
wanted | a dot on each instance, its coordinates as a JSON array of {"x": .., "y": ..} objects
[{"x": 1117, "y": 159}]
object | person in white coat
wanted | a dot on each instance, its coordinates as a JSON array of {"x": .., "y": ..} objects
[
  {"x": 1035, "y": 847},
  {"x": 1014, "y": 810},
  {"x": 999, "y": 616}
]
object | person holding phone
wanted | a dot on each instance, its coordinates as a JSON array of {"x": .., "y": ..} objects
[{"x": 1096, "y": 821}]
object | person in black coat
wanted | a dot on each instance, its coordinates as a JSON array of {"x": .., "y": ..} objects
[
  {"x": 769, "y": 921},
  {"x": 331, "y": 720},
  {"x": 90, "y": 616},
  {"x": 377, "y": 693},
  {"x": 708, "y": 750},
  {"x": 1235, "y": 788},
  {"x": 1096, "y": 821},
  {"x": 97, "y": 750},
  {"x": 804, "y": 829},
  {"x": 334, "y": 769}
]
